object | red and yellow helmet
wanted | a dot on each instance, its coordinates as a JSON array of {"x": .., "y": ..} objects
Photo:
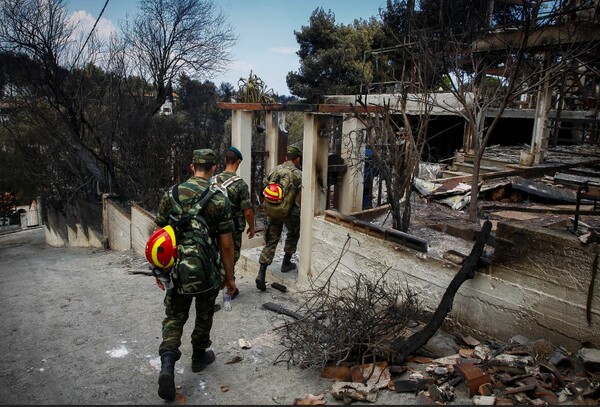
[
  {"x": 161, "y": 248},
  {"x": 273, "y": 193}
]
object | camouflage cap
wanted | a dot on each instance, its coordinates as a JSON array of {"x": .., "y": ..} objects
[
  {"x": 204, "y": 156},
  {"x": 294, "y": 150}
]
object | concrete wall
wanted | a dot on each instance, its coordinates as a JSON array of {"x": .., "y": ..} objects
[
  {"x": 120, "y": 230},
  {"x": 500, "y": 302},
  {"x": 117, "y": 226},
  {"x": 142, "y": 226},
  {"x": 79, "y": 235},
  {"x": 70, "y": 231},
  {"x": 551, "y": 273}
]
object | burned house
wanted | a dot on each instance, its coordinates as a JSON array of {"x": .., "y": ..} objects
[{"x": 537, "y": 277}]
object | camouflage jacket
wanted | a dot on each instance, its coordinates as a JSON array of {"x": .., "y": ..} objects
[
  {"x": 239, "y": 196},
  {"x": 217, "y": 212}
]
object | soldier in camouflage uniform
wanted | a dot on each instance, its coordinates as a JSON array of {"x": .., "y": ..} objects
[
  {"x": 239, "y": 196},
  {"x": 292, "y": 222},
  {"x": 218, "y": 217}
]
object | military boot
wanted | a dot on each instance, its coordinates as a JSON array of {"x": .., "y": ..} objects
[
  {"x": 201, "y": 359},
  {"x": 166, "y": 378},
  {"x": 287, "y": 265},
  {"x": 260, "y": 279}
]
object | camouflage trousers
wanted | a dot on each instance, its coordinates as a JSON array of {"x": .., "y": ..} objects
[
  {"x": 177, "y": 309},
  {"x": 237, "y": 244},
  {"x": 273, "y": 234}
]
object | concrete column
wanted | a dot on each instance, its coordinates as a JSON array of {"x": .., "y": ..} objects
[
  {"x": 271, "y": 141},
  {"x": 241, "y": 138},
  {"x": 539, "y": 139},
  {"x": 353, "y": 152},
  {"x": 309, "y": 195}
]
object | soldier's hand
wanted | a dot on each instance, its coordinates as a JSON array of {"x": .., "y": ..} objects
[
  {"x": 231, "y": 287},
  {"x": 160, "y": 284},
  {"x": 250, "y": 232}
]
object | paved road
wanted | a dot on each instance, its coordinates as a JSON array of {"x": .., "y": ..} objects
[{"x": 79, "y": 328}]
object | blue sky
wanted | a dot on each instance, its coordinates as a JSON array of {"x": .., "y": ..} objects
[{"x": 265, "y": 28}]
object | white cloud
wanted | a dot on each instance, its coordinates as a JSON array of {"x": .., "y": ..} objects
[
  {"x": 283, "y": 50},
  {"x": 241, "y": 66},
  {"x": 84, "y": 22}
]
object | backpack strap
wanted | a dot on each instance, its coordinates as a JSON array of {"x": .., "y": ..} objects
[
  {"x": 231, "y": 181},
  {"x": 207, "y": 194},
  {"x": 204, "y": 197}
]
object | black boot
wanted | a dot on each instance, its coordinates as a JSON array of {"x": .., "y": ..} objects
[
  {"x": 260, "y": 279},
  {"x": 201, "y": 359},
  {"x": 287, "y": 265},
  {"x": 166, "y": 378}
]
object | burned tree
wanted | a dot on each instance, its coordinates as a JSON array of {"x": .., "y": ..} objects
[
  {"x": 52, "y": 98},
  {"x": 395, "y": 142},
  {"x": 172, "y": 37}
]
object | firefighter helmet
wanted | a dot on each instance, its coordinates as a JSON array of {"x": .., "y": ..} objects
[
  {"x": 273, "y": 193},
  {"x": 161, "y": 248}
]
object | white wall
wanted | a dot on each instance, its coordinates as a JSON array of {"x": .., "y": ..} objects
[
  {"x": 142, "y": 226},
  {"x": 117, "y": 226}
]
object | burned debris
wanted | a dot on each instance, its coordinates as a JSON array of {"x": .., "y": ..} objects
[
  {"x": 562, "y": 192},
  {"x": 522, "y": 371},
  {"x": 372, "y": 336}
]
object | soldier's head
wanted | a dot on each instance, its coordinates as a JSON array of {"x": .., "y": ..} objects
[
  {"x": 294, "y": 154},
  {"x": 232, "y": 155},
  {"x": 204, "y": 160}
]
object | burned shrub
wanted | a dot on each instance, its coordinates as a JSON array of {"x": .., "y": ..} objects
[{"x": 364, "y": 322}]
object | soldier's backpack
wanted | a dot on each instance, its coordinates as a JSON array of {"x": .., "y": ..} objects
[
  {"x": 279, "y": 193},
  {"x": 198, "y": 266}
]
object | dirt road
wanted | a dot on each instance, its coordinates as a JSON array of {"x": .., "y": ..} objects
[{"x": 79, "y": 328}]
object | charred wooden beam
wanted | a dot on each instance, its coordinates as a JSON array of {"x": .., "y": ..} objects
[
  {"x": 307, "y": 108},
  {"x": 518, "y": 208}
]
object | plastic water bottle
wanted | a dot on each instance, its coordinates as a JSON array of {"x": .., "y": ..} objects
[{"x": 226, "y": 301}]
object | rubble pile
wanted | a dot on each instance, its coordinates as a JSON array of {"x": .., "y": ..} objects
[{"x": 522, "y": 371}]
